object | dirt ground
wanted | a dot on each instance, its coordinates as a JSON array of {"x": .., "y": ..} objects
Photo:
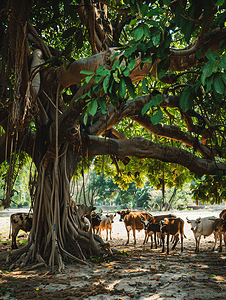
[{"x": 137, "y": 272}]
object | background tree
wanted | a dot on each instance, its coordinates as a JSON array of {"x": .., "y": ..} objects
[{"x": 66, "y": 94}]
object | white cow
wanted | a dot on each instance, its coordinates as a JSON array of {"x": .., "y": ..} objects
[{"x": 202, "y": 226}]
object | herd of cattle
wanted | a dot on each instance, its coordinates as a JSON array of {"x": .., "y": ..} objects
[{"x": 157, "y": 227}]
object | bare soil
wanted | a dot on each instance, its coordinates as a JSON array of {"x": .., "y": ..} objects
[{"x": 137, "y": 272}]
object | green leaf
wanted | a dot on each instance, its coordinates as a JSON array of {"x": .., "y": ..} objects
[
  {"x": 88, "y": 78},
  {"x": 129, "y": 51},
  {"x": 167, "y": 2},
  {"x": 146, "y": 107},
  {"x": 163, "y": 67},
  {"x": 146, "y": 31},
  {"x": 220, "y": 2},
  {"x": 126, "y": 72},
  {"x": 115, "y": 76},
  {"x": 85, "y": 118},
  {"x": 156, "y": 38},
  {"x": 102, "y": 71},
  {"x": 186, "y": 100},
  {"x": 223, "y": 76},
  {"x": 64, "y": 65},
  {"x": 131, "y": 63},
  {"x": 97, "y": 78},
  {"x": 122, "y": 88},
  {"x": 138, "y": 32},
  {"x": 130, "y": 87},
  {"x": 87, "y": 72},
  {"x": 211, "y": 55},
  {"x": 157, "y": 100},
  {"x": 209, "y": 82},
  {"x": 157, "y": 117},
  {"x": 208, "y": 69},
  {"x": 106, "y": 83},
  {"x": 69, "y": 32},
  {"x": 93, "y": 107},
  {"x": 102, "y": 104},
  {"x": 219, "y": 85},
  {"x": 144, "y": 85}
]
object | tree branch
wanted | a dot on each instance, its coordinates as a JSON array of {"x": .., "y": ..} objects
[{"x": 142, "y": 148}]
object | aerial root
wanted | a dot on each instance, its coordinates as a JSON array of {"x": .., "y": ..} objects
[
  {"x": 59, "y": 259},
  {"x": 25, "y": 257},
  {"x": 73, "y": 257}
]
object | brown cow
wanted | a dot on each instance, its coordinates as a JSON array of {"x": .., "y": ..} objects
[
  {"x": 174, "y": 226},
  {"x": 152, "y": 227},
  {"x": 106, "y": 224},
  {"x": 219, "y": 231},
  {"x": 132, "y": 221},
  {"x": 19, "y": 221}
]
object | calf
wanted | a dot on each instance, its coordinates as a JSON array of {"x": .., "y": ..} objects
[
  {"x": 106, "y": 224},
  {"x": 173, "y": 226},
  {"x": 202, "y": 226},
  {"x": 151, "y": 227},
  {"x": 132, "y": 221},
  {"x": 19, "y": 221},
  {"x": 95, "y": 221}
]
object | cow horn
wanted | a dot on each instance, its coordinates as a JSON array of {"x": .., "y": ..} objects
[{"x": 223, "y": 218}]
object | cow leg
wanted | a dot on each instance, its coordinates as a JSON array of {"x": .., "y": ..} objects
[
  {"x": 106, "y": 234},
  {"x": 127, "y": 237},
  {"x": 197, "y": 239},
  {"x": 14, "y": 235},
  {"x": 168, "y": 240},
  {"x": 145, "y": 236},
  {"x": 215, "y": 240},
  {"x": 155, "y": 240},
  {"x": 176, "y": 239},
  {"x": 110, "y": 233},
  {"x": 220, "y": 248},
  {"x": 151, "y": 241},
  {"x": 163, "y": 242},
  {"x": 134, "y": 236},
  {"x": 182, "y": 241}
]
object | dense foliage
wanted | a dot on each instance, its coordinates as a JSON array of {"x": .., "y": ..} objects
[{"x": 142, "y": 83}]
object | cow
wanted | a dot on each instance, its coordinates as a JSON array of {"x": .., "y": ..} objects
[
  {"x": 220, "y": 230},
  {"x": 172, "y": 226},
  {"x": 151, "y": 227},
  {"x": 95, "y": 221},
  {"x": 85, "y": 223},
  {"x": 106, "y": 224},
  {"x": 132, "y": 221},
  {"x": 19, "y": 221},
  {"x": 202, "y": 226}
]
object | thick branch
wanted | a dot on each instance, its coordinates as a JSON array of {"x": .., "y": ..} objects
[
  {"x": 141, "y": 148},
  {"x": 132, "y": 109}
]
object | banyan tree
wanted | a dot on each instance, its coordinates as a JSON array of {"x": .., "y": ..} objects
[{"x": 124, "y": 79}]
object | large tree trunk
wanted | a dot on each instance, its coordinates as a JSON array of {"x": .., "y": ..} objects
[{"x": 57, "y": 231}]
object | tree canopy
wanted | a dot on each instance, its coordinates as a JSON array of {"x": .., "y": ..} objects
[{"x": 138, "y": 81}]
